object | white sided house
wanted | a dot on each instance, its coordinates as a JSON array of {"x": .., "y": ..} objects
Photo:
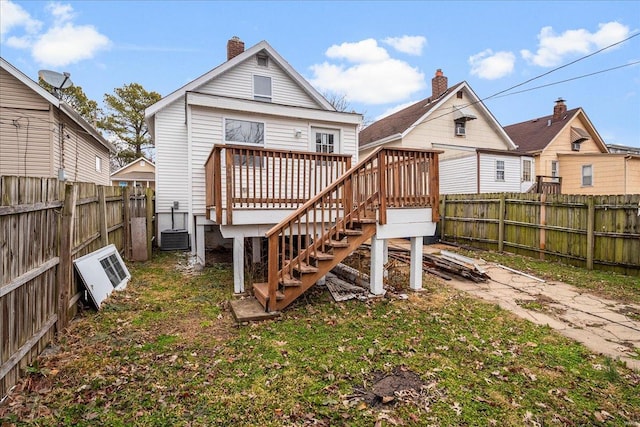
[
  {"x": 477, "y": 154},
  {"x": 250, "y": 151}
]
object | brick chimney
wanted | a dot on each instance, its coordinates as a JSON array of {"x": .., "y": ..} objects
[
  {"x": 439, "y": 84},
  {"x": 559, "y": 110},
  {"x": 235, "y": 47}
]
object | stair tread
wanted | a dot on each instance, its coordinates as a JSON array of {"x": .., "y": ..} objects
[
  {"x": 303, "y": 267},
  {"x": 322, "y": 256},
  {"x": 263, "y": 290},
  {"x": 288, "y": 280},
  {"x": 351, "y": 232},
  {"x": 337, "y": 243}
]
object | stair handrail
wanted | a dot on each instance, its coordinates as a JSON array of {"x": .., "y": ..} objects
[{"x": 365, "y": 169}]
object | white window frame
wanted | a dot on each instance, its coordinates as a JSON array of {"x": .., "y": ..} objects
[
  {"x": 498, "y": 170},
  {"x": 241, "y": 119},
  {"x": 98, "y": 163},
  {"x": 337, "y": 140},
  {"x": 99, "y": 281},
  {"x": 590, "y": 176},
  {"x": 524, "y": 169},
  {"x": 264, "y": 97},
  {"x": 555, "y": 170}
]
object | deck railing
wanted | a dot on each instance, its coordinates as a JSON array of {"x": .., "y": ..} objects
[
  {"x": 388, "y": 178},
  {"x": 240, "y": 177},
  {"x": 548, "y": 184}
]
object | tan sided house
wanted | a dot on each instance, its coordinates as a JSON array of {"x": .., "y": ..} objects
[
  {"x": 251, "y": 152},
  {"x": 477, "y": 155},
  {"x": 571, "y": 157},
  {"x": 140, "y": 173},
  {"x": 42, "y": 136}
]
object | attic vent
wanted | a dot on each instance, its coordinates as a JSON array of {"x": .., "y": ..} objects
[{"x": 262, "y": 59}]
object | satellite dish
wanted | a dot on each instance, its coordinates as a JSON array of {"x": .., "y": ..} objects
[{"x": 57, "y": 80}]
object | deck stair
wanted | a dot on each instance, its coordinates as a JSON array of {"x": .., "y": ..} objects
[{"x": 325, "y": 230}]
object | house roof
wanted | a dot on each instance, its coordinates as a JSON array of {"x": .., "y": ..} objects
[
  {"x": 398, "y": 124},
  {"x": 123, "y": 169},
  {"x": 63, "y": 106},
  {"x": 535, "y": 135},
  {"x": 263, "y": 46}
]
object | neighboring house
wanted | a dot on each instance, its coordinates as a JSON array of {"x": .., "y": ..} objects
[
  {"x": 42, "y": 136},
  {"x": 570, "y": 154},
  {"x": 624, "y": 149},
  {"x": 139, "y": 173},
  {"x": 251, "y": 143},
  {"x": 477, "y": 155}
]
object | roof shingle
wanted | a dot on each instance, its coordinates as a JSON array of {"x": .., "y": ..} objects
[{"x": 534, "y": 135}]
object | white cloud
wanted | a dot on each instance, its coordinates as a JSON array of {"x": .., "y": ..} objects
[
  {"x": 490, "y": 65},
  {"x": 411, "y": 45},
  {"x": 13, "y": 16},
  {"x": 553, "y": 48},
  {"x": 68, "y": 44},
  {"x": 371, "y": 76},
  {"x": 61, "y": 44},
  {"x": 362, "y": 51}
]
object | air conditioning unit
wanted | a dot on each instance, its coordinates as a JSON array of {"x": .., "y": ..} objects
[
  {"x": 174, "y": 240},
  {"x": 460, "y": 131}
]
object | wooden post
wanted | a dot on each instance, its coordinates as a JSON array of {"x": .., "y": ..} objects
[
  {"x": 149, "y": 214},
  {"x": 382, "y": 186},
  {"x": 434, "y": 186},
  {"x": 102, "y": 216},
  {"x": 126, "y": 217},
  {"x": 501, "y": 214},
  {"x": 229, "y": 169},
  {"x": 591, "y": 221},
  {"x": 217, "y": 182},
  {"x": 543, "y": 223},
  {"x": 65, "y": 271},
  {"x": 272, "y": 274}
]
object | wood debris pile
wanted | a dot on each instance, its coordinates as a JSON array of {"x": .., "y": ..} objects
[{"x": 444, "y": 264}]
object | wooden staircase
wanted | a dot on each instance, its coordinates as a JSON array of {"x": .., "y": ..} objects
[{"x": 307, "y": 244}]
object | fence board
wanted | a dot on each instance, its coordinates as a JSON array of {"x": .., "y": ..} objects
[
  {"x": 30, "y": 219},
  {"x": 553, "y": 226}
]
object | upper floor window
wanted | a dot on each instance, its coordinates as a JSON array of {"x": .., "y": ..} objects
[
  {"x": 243, "y": 131},
  {"x": 98, "y": 164},
  {"x": 461, "y": 128},
  {"x": 587, "y": 175},
  {"x": 262, "y": 88},
  {"x": 499, "y": 170},
  {"x": 526, "y": 170}
]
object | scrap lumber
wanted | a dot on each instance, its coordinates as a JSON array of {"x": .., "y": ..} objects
[{"x": 444, "y": 264}]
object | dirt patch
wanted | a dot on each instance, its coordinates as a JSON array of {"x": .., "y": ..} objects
[
  {"x": 542, "y": 304},
  {"x": 400, "y": 386},
  {"x": 632, "y": 313}
]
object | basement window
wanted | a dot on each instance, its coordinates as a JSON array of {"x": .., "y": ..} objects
[{"x": 102, "y": 272}]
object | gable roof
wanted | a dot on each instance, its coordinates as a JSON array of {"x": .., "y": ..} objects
[
  {"x": 130, "y": 164},
  {"x": 398, "y": 124},
  {"x": 63, "y": 106},
  {"x": 535, "y": 135},
  {"x": 226, "y": 66}
]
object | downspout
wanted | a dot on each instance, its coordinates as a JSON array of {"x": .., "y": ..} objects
[{"x": 478, "y": 171}]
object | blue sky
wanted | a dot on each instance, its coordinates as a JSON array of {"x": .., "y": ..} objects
[{"x": 380, "y": 55}]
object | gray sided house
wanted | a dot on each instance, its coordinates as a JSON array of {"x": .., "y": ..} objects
[{"x": 42, "y": 136}]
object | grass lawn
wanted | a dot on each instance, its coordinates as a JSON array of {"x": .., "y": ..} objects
[{"x": 166, "y": 352}]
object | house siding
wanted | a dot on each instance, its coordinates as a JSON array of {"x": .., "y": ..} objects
[
  {"x": 238, "y": 83},
  {"x": 439, "y": 128},
  {"x": 459, "y": 175},
  {"x": 25, "y": 150},
  {"x": 608, "y": 172},
  {"x": 34, "y": 147},
  {"x": 633, "y": 175},
  {"x": 172, "y": 178},
  {"x": 512, "y": 174}
]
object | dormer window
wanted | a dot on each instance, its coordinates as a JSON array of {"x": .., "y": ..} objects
[
  {"x": 262, "y": 88},
  {"x": 578, "y": 136}
]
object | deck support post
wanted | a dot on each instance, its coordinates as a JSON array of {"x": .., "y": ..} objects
[
  {"x": 385, "y": 257},
  {"x": 200, "y": 246},
  {"x": 238, "y": 264},
  {"x": 377, "y": 266},
  {"x": 415, "y": 277}
]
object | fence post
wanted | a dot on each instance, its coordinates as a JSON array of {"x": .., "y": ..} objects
[
  {"x": 126, "y": 218},
  {"x": 149, "y": 214},
  {"x": 543, "y": 222},
  {"x": 65, "y": 274},
  {"x": 591, "y": 220},
  {"x": 102, "y": 216},
  {"x": 501, "y": 223},
  {"x": 443, "y": 216}
]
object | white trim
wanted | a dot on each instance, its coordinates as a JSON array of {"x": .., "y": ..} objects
[
  {"x": 373, "y": 144},
  {"x": 337, "y": 145},
  {"x": 132, "y": 163},
  {"x": 259, "y": 107},
  {"x": 226, "y": 66},
  {"x": 436, "y": 145}
]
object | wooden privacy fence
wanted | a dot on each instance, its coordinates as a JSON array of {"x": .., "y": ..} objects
[
  {"x": 601, "y": 232},
  {"x": 44, "y": 226}
]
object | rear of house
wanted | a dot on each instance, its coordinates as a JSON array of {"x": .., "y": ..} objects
[
  {"x": 600, "y": 174},
  {"x": 41, "y": 136}
]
